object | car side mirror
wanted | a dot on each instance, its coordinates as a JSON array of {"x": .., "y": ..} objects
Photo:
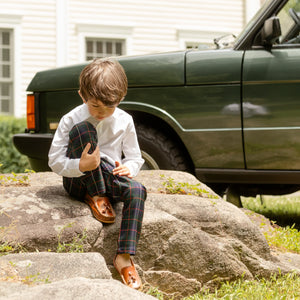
[{"x": 270, "y": 32}]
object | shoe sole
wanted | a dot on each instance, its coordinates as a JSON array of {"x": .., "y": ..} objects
[
  {"x": 97, "y": 217},
  {"x": 102, "y": 221}
]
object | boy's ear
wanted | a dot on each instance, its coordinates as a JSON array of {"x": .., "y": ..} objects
[{"x": 84, "y": 101}]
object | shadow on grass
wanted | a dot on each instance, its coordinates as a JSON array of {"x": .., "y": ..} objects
[
  {"x": 283, "y": 210},
  {"x": 284, "y": 220}
]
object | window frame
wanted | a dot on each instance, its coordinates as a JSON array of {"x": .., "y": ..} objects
[
  {"x": 104, "y": 31},
  {"x": 190, "y": 36},
  {"x": 10, "y": 79},
  {"x": 12, "y": 22},
  {"x": 104, "y": 52}
]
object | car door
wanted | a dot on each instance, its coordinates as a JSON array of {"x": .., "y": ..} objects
[
  {"x": 271, "y": 102},
  {"x": 210, "y": 111}
]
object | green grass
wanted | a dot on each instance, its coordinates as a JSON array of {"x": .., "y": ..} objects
[
  {"x": 77, "y": 244},
  {"x": 285, "y": 239},
  {"x": 277, "y": 287},
  {"x": 284, "y": 210},
  {"x": 184, "y": 188}
]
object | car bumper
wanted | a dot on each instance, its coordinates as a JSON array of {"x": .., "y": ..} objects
[{"x": 36, "y": 147}]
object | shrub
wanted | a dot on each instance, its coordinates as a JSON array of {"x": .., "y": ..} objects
[{"x": 11, "y": 159}]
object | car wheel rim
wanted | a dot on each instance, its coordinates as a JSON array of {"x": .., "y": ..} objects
[{"x": 150, "y": 163}]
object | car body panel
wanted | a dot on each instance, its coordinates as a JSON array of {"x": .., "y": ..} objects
[
  {"x": 60, "y": 79},
  {"x": 271, "y": 82},
  {"x": 201, "y": 123},
  {"x": 53, "y": 105},
  {"x": 144, "y": 70},
  {"x": 35, "y": 146},
  {"x": 162, "y": 69},
  {"x": 213, "y": 67}
]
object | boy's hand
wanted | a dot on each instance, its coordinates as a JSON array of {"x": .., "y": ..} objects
[
  {"x": 89, "y": 162},
  {"x": 121, "y": 170}
]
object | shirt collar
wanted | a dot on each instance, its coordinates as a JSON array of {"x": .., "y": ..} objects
[{"x": 87, "y": 116}]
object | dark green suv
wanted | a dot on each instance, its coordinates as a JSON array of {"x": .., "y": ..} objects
[{"x": 229, "y": 115}]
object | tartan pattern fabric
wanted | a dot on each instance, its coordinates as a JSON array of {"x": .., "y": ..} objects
[
  {"x": 92, "y": 182},
  {"x": 101, "y": 181}
]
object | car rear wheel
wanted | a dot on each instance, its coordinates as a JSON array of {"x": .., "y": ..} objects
[{"x": 159, "y": 151}]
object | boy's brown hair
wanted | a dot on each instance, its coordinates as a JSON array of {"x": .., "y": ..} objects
[{"x": 104, "y": 79}]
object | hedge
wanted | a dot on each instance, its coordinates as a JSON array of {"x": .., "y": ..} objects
[{"x": 10, "y": 159}]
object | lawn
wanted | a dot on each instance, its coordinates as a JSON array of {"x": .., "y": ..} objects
[{"x": 284, "y": 210}]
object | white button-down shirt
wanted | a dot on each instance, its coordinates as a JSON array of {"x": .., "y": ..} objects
[{"x": 116, "y": 136}]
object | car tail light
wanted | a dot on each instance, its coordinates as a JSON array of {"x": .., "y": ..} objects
[{"x": 30, "y": 112}]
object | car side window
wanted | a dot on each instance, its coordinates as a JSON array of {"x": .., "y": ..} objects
[{"x": 289, "y": 17}]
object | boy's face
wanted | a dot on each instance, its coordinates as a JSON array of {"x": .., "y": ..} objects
[{"x": 98, "y": 110}]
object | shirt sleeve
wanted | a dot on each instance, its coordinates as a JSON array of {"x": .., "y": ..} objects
[
  {"x": 131, "y": 150},
  {"x": 58, "y": 160}
]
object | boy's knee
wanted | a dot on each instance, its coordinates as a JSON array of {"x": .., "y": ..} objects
[
  {"x": 82, "y": 128},
  {"x": 140, "y": 189},
  {"x": 80, "y": 135}
]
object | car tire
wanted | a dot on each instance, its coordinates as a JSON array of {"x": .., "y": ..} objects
[{"x": 159, "y": 151}]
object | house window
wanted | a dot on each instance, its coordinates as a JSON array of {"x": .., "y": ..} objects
[
  {"x": 104, "y": 47},
  {"x": 197, "y": 45},
  {"x": 191, "y": 45},
  {"x": 6, "y": 68}
]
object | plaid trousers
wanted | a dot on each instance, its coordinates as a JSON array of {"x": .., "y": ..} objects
[{"x": 101, "y": 181}]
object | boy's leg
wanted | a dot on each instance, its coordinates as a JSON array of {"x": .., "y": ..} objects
[
  {"x": 133, "y": 194},
  {"x": 92, "y": 182},
  {"x": 91, "y": 186}
]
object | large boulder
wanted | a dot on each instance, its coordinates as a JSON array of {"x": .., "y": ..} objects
[
  {"x": 49, "y": 276},
  {"x": 79, "y": 289},
  {"x": 190, "y": 239}
]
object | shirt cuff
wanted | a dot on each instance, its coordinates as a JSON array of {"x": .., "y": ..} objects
[{"x": 72, "y": 168}]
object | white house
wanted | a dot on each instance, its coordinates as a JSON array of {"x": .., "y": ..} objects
[{"x": 42, "y": 34}]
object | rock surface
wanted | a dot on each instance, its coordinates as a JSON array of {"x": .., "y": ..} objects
[
  {"x": 188, "y": 241},
  {"x": 79, "y": 289},
  {"x": 60, "y": 276}
]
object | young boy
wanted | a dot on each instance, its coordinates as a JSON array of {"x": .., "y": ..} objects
[{"x": 95, "y": 149}]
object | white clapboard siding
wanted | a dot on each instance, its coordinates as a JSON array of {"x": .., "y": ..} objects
[
  {"x": 51, "y": 33},
  {"x": 35, "y": 44},
  {"x": 156, "y": 23}
]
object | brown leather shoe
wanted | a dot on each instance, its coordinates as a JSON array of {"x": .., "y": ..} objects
[
  {"x": 129, "y": 275},
  {"x": 101, "y": 208}
]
